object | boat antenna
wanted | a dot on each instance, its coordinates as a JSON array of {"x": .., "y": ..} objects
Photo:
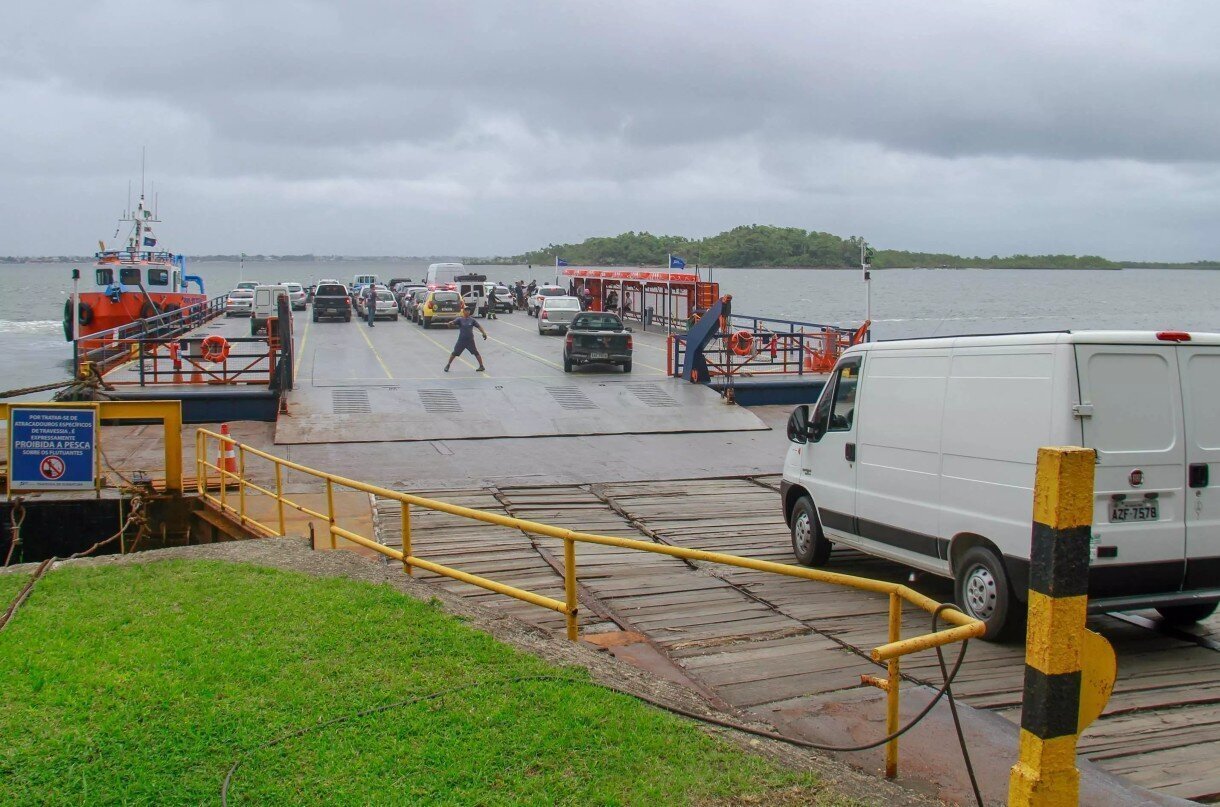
[
  {"x": 128, "y": 199},
  {"x": 143, "y": 150}
]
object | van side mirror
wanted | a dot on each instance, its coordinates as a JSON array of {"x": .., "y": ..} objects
[{"x": 798, "y": 424}]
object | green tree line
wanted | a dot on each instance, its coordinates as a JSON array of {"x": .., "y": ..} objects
[{"x": 762, "y": 245}]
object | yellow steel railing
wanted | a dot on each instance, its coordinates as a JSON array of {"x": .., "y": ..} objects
[{"x": 962, "y": 627}]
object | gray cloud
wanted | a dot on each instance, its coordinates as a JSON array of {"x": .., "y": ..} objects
[{"x": 440, "y": 127}]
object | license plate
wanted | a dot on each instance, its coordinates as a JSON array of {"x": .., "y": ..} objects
[
  {"x": 1126, "y": 512},
  {"x": 599, "y": 354}
]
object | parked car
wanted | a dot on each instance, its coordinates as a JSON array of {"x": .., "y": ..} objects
[
  {"x": 534, "y": 302},
  {"x": 332, "y": 301},
  {"x": 387, "y": 306},
  {"x": 403, "y": 292},
  {"x": 557, "y": 313},
  {"x": 596, "y": 337},
  {"x": 248, "y": 284},
  {"x": 361, "y": 298},
  {"x": 239, "y": 303},
  {"x": 923, "y": 452},
  {"x": 414, "y": 301},
  {"x": 504, "y": 299},
  {"x": 296, "y": 295},
  {"x": 440, "y": 306},
  {"x": 266, "y": 306}
]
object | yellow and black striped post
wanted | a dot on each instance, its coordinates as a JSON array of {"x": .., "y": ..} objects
[{"x": 1045, "y": 773}]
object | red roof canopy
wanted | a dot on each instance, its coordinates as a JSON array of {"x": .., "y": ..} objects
[{"x": 641, "y": 275}]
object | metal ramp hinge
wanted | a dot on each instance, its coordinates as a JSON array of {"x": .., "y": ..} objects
[{"x": 1084, "y": 410}]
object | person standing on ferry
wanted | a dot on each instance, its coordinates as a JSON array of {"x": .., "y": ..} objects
[{"x": 465, "y": 341}]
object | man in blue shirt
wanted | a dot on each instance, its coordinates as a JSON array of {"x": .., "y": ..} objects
[{"x": 466, "y": 325}]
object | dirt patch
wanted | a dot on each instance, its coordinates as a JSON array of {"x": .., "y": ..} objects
[{"x": 294, "y": 554}]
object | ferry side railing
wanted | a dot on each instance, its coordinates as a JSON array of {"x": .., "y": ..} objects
[
  {"x": 104, "y": 349},
  {"x": 209, "y": 443},
  {"x": 760, "y": 346}
]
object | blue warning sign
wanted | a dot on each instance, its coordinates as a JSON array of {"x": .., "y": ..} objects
[{"x": 52, "y": 448}]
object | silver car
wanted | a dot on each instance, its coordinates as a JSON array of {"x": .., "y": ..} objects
[{"x": 556, "y": 313}]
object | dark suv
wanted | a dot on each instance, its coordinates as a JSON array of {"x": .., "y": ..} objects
[{"x": 332, "y": 301}]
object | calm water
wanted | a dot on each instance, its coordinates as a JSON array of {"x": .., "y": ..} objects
[{"x": 906, "y": 302}]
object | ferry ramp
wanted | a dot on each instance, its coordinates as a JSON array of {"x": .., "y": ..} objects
[{"x": 387, "y": 384}]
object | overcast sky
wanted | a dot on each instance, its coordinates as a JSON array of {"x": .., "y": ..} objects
[{"x": 478, "y": 128}]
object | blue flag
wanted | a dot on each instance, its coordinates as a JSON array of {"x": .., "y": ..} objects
[
  {"x": 676, "y": 263},
  {"x": 150, "y": 241},
  {"x": 560, "y": 261}
]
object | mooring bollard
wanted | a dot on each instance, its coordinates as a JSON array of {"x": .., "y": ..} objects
[{"x": 1069, "y": 671}]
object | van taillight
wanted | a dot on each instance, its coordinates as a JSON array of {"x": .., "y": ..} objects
[
  {"x": 630, "y": 342},
  {"x": 1173, "y": 336},
  {"x": 543, "y": 315}
]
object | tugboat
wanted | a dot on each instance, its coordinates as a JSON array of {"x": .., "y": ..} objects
[{"x": 133, "y": 283}]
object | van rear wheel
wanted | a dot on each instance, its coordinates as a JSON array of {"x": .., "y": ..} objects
[
  {"x": 1187, "y": 614},
  {"x": 983, "y": 592},
  {"x": 809, "y": 544}
]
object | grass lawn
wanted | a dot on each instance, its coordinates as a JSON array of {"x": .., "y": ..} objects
[{"x": 141, "y": 684}]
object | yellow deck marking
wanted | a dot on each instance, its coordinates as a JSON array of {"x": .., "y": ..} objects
[
  {"x": 301, "y": 348},
  {"x": 376, "y": 355}
]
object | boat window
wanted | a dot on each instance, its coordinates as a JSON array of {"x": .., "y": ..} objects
[
  {"x": 105, "y": 276},
  {"x": 129, "y": 275},
  {"x": 158, "y": 277}
]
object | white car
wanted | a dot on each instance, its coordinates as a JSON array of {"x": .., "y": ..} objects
[
  {"x": 248, "y": 284},
  {"x": 239, "y": 303},
  {"x": 296, "y": 295},
  {"x": 557, "y": 313},
  {"x": 534, "y": 303},
  {"x": 387, "y": 305},
  {"x": 923, "y": 452}
]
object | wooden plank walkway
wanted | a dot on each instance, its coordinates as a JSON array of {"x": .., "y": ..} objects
[{"x": 764, "y": 643}]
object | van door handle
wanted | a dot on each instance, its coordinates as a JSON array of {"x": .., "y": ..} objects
[
  {"x": 849, "y": 452},
  {"x": 1197, "y": 475}
]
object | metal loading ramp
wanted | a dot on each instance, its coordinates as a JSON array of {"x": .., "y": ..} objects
[{"x": 485, "y": 407}]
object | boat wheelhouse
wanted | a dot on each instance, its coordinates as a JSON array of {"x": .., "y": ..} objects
[{"x": 131, "y": 283}]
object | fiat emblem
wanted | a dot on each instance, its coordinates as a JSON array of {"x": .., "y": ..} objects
[{"x": 1136, "y": 478}]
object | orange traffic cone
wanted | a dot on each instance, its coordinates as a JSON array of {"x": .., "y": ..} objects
[
  {"x": 177, "y": 360},
  {"x": 228, "y": 454}
]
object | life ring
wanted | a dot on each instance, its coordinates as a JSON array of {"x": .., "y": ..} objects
[
  {"x": 148, "y": 310},
  {"x": 214, "y": 348},
  {"x": 741, "y": 343}
]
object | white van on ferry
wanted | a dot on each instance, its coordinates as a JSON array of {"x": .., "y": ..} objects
[
  {"x": 442, "y": 275},
  {"x": 923, "y": 451}
]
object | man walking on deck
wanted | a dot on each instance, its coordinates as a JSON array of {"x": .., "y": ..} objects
[
  {"x": 491, "y": 303},
  {"x": 370, "y": 304},
  {"x": 466, "y": 325}
]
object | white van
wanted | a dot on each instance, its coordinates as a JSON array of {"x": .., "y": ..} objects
[
  {"x": 923, "y": 452},
  {"x": 441, "y": 275},
  {"x": 266, "y": 306}
]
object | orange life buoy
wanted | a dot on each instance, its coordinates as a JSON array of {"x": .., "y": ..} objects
[
  {"x": 215, "y": 348},
  {"x": 741, "y": 343}
]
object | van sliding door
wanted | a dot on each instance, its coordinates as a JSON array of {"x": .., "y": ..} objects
[
  {"x": 1135, "y": 424},
  {"x": 1200, "y": 371}
]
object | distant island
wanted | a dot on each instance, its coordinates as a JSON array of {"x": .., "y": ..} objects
[{"x": 751, "y": 245}]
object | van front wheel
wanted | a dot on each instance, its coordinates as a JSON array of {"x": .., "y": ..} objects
[
  {"x": 983, "y": 592},
  {"x": 809, "y": 545},
  {"x": 1187, "y": 614}
]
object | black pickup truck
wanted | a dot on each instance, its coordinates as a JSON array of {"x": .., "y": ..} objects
[
  {"x": 597, "y": 337},
  {"x": 332, "y": 301}
]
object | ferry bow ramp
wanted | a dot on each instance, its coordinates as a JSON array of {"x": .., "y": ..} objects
[{"x": 387, "y": 384}]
